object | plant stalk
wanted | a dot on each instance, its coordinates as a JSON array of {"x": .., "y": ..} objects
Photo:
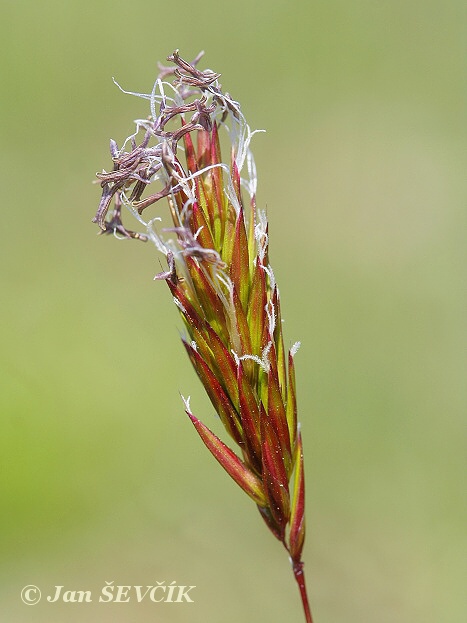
[{"x": 300, "y": 578}]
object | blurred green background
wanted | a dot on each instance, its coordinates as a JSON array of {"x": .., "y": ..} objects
[{"x": 102, "y": 476}]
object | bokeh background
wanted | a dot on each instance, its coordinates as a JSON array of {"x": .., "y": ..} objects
[{"x": 102, "y": 476}]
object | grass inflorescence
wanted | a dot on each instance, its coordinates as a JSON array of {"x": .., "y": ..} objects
[{"x": 220, "y": 278}]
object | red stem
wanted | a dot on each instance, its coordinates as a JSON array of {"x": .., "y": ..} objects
[{"x": 300, "y": 578}]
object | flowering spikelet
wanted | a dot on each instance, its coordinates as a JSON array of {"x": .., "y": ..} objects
[{"x": 221, "y": 281}]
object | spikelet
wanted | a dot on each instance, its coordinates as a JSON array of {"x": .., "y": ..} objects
[{"x": 221, "y": 281}]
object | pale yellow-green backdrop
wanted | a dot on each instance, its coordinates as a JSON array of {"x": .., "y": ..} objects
[{"x": 103, "y": 478}]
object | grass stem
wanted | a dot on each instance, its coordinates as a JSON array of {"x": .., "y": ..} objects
[{"x": 300, "y": 578}]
